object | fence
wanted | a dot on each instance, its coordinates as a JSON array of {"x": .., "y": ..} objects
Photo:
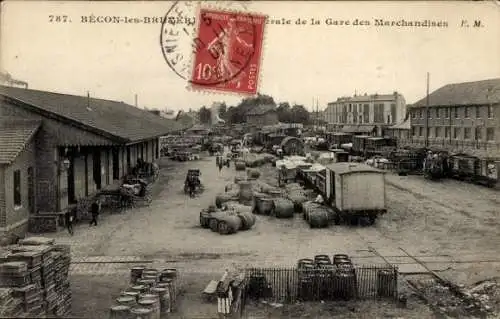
[{"x": 288, "y": 285}]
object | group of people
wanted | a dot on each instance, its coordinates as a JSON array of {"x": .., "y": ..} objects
[{"x": 71, "y": 215}]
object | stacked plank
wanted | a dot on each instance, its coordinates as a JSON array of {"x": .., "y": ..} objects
[
  {"x": 151, "y": 294},
  {"x": 10, "y": 307},
  {"x": 37, "y": 271}
]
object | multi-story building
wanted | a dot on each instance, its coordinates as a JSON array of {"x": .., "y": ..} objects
[
  {"x": 365, "y": 113},
  {"x": 262, "y": 115},
  {"x": 462, "y": 117}
]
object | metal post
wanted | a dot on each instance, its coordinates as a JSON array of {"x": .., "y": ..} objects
[{"x": 427, "y": 114}]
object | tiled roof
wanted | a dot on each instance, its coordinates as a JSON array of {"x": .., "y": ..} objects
[
  {"x": 14, "y": 134},
  {"x": 261, "y": 109},
  {"x": 116, "y": 118},
  {"x": 468, "y": 93}
]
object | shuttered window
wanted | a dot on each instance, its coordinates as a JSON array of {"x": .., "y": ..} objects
[{"x": 17, "y": 188}]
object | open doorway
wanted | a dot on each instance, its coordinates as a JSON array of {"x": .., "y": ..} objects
[{"x": 97, "y": 168}]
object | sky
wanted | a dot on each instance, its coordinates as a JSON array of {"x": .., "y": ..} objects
[{"x": 300, "y": 63}]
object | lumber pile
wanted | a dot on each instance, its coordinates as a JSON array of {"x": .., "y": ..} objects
[{"x": 34, "y": 273}]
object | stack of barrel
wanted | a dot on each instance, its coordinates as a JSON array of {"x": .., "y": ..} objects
[
  {"x": 298, "y": 196},
  {"x": 387, "y": 283},
  {"x": 151, "y": 293},
  {"x": 228, "y": 221},
  {"x": 323, "y": 279},
  {"x": 316, "y": 215},
  {"x": 263, "y": 204}
]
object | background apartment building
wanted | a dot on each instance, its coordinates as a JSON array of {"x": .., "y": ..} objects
[
  {"x": 377, "y": 110},
  {"x": 462, "y": 117}
]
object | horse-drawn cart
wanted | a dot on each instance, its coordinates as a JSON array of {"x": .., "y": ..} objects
[{"x": 192, "y": 184}]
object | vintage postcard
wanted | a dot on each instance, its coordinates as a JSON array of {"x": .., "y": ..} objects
[{"x": 249, "y": 159}]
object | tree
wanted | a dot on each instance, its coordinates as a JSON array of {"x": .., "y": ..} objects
[
  {"x": 223, "y": 111},
  {"x": 205, "y": 115},
  {"x": 299, "y": 114}
]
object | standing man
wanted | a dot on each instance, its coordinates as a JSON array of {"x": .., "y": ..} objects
[
  {"x": 95, "y": 210},
  {"x": 70, "y": 217}
]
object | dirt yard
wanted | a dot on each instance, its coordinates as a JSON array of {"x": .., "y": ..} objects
[{"x": 429, "y": 220}]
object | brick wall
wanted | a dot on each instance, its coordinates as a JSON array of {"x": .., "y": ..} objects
[{"x": 19, "y": 214}]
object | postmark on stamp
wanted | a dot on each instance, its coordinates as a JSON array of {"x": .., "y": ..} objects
[{"x": 224, "y": 51}]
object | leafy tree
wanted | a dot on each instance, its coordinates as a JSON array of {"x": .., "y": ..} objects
[
  {"x": 299, "y": 114},
  {"x": 223, "y": 111}
]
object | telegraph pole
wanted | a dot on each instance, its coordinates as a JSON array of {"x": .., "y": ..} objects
[{"x": 427, "y": 113}]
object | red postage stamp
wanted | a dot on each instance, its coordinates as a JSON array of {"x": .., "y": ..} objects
[{"x": 228, "y": 51}]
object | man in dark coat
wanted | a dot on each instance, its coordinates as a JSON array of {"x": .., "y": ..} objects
[
  {"x": 70, "y": 218},
  {"x": 95, "y": 210}
]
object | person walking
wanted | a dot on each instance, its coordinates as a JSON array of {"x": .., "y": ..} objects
[
  {"x": 221, "y": 164},
  {"x": 95, "y": 209},
  {"x": 70, "y": 217}
]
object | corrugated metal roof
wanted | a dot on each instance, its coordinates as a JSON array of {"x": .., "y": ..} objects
[
  {"x": 348, "y": 168},
  {"x": 467, "y": 93},
  {"x": 115, "y": 118},
  {"x": 14, "y": 135}
]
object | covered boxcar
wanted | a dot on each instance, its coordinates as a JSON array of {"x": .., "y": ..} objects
[
  {"x": 338, "y": 138},
  {"x": 355, "y": 191},
  {"x": 474, "y": 169}
]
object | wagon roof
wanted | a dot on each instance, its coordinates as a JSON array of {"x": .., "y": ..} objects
[{"x": 349, "y": 168}]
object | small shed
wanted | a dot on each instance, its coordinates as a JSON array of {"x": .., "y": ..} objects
[{"x": 355, "y": 187}]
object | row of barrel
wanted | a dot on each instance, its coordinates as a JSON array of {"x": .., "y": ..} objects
[
  {"x": 226, "y": 222},
  {"x": 316, "y": 215},
  {"x": 326, "y": 279},
  {"x": 151, "y": 293}
]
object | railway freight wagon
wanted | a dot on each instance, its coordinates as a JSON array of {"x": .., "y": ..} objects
[
  {"x": 338, "y": 138},
  {"x": 359, "y": 144},
  {"x": 474, "y": 169},
  {"x": 355, "y": 191}
]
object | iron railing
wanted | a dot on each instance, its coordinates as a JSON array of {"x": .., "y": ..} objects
[{"x": 288, "y": 285}]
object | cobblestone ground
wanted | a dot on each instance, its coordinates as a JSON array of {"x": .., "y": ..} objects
[{"x": 458, "y": 221}]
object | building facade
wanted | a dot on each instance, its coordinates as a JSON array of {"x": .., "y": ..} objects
[
  {"x": 366, "y": 110},
  {"x": 463, "y": 117},
  {"x": 81, "y": 146},
  {"x": 262, "y": 115}
]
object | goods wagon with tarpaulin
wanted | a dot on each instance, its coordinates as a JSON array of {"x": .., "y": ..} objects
[
  {"x": 292, "y": 146},
  {"x": 355, "y": 191},
  {"x": 335, "y": 139}
]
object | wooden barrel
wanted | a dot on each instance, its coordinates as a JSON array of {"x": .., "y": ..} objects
[
  {"x": 386, "y": 283},
  {"x": 139, "y": 288},
  {"x": 155, "y": 305},
  {"x": 120, "y": 312},
  {"x": 344, "y": 285},
  {"x": 168, "y": 273},
  {"x": 318, "y": 219},
  {"x": 246, "y": 194},
  {"x": 152, "y": 305},
  {"x": 142, "y": 313},
  {"x": 238, "y": 179},
  {"x": 133, "y": 294},
  {"x": 322, "y": 257},
  {"x": 204, "y": 219},
  {"x": 339, "y": 257},
  {"x": 147, "y": 282},
  {"x": 126, "y": 301},
  {"x": 252, "y": 173},
  {"x": 136, "y": 273},
  {"x": 164, "y": 296},
  {"x": 283, "y": 208},
  {"x": 274, "y": 193},
  {"x": 229, "y": 224},
  {"x": 213, "y": 223},
  {"x": 247, "y": 219},
  {"x": 240, "y": 166},
  {"x": 171, "y": 286},
  {"x": 304, "y": 261},
  {"x": 222, "y": 198}
]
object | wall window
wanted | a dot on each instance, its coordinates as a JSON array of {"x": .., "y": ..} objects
[
  {"x": 446, "y": 113},
  {"x": 490, "y": 111},
  {"x": 455, "y": 110},
  {"x": 438, "y": 111},
  {"x": 429, "y": 113},
  {"x": 393, "y": 112},
  {"x": 446, "y": 132},
  {"x": 17, "y": 188},
  {"x": 439, "y": 131},
  {"x": 414, "y": 131},
  {"x": 420, "y": 114},
  {"x": 478, "y": 134},
  {"x": 490, "y": 134},
  {"x": 414, "y": 114},
  {"x": 467, "y": 133},
  {"x": 420, "y": 131},
  {"x": 430, "y": 132},
  {"x": 456, "y": 132},
  {"x": 366, "y": 113},
  {"x": 478, "y": 112},
  {"x": 466, "y": 112}
]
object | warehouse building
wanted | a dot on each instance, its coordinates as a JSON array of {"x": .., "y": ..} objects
[{"x": 57, "y": 149}]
